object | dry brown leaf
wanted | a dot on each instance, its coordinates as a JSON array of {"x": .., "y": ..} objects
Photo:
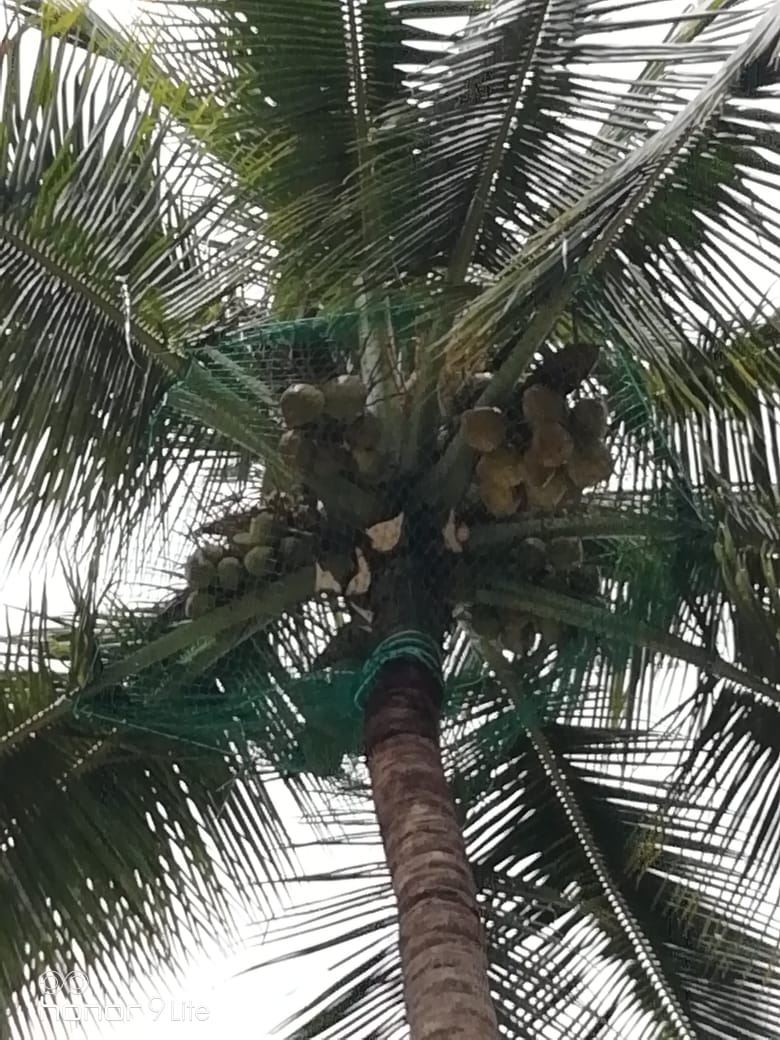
[
  {"x": 386, "y": 535},
  {"x": 324, "y": 580},
  {"x": 360, "y": 582}
]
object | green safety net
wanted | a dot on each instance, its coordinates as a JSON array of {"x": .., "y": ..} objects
[{"x": 333, "y": 550}]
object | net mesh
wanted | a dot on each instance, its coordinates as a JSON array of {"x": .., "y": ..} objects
[{"x": 341, "y": 546}]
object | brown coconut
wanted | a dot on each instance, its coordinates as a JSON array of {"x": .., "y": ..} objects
[
  {"x": 548, "y": 495},
  {"x": 484, "y": 429},
  {"x": 503, "y": 467},
  {"x": 345, "y": 398},
  {"x": 589, "y": 465},
  {"x": 302, "y": 403},
  {"x": 541, "y": 405},
  {"x": 588, "y": 420},
  {"x": 552, "y": 445},
  {"x": 500, "y": 500}
]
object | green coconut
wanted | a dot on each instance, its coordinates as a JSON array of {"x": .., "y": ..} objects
[
  {"x": 199, "y": 571},
  {"x": 199, "y": 603},
  {"x": 230, "y": 573},
  {"x": 529, "y": 556},
  {"x": 302, "y": 404},
  {"x": 371, "y": 464},
  {"x": 296, "y": 450},
  {"x": 565, "y": 553},
  {"x": 295, "y": 550},
  {"x": 212, "y": 552},
  {"x": 485, "y": 621},
  {"x": 261, "y": 528},
  {"x": 585, "y": 581},
  {"x": 258, "y": 561},
  {"x": 518, "y": 633},
  {"x": 365, "y": 432},
  {"x": 550, "y": 630},
  {"x": 344, "y": 398}
]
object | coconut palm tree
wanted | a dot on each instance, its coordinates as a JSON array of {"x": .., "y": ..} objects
[{"x": 438, "y": 337}]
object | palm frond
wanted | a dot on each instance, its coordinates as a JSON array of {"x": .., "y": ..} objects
[
  {"x": 117, "y": 852},
  {"x": 108, "y": 270}
]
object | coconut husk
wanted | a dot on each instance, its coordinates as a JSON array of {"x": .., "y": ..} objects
[
  {"x": 365, "y": 432},
  {"x": 199, "y": 603},
  {"x": 564, "y": 553},
  {"x": 588, "y": 420},
  {"x": 199, "y": 571},
  {"x": 503, "y": 467},
  {"x": 549, "y": 495},
  {"x": 566, "y": 369},
  {"x": 484, "y": 429},
  {"x": 344, "y": 398},
  {"x": 542, "y": 405},
  {"x": 589, "y": 465},
  {"x": 258, "y": 560},
  {"x": 230, "y": 573},
  {"x": 552, "y": 445},
  {"x": 500, "y": 500},
  {"x": 518, "y": 633},
  {"x": 301, "y": 404}
]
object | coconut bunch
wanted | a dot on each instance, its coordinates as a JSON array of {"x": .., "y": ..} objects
[
  {"x": 556, "y": 563},
  {"x": 270, "y": 541},
  {"x": 542, "y": 450},
  {"x": 330, "y": 430}
]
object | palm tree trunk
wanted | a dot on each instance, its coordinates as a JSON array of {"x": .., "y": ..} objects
[{"x": 443, "y": 954}]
